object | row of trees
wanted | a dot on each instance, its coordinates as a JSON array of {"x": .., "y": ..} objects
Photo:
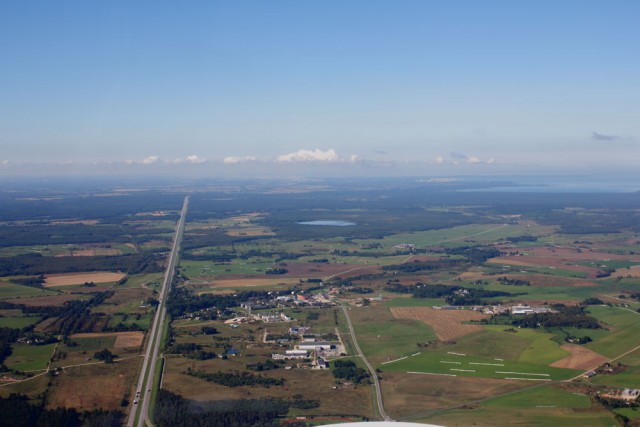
[
  {"x": 236, "y": 379},
  {"x": 16, "y": 410}
]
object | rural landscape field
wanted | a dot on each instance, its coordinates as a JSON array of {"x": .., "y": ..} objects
[{"x": 321, "y": 302}]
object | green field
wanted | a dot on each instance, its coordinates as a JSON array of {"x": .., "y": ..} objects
[
  {"x": 92, "y": 343},
  {"x": 625, "y": 330},
  {"x": 10, "y": 290},
  {"x": 491, "y": 353},
  {"x": 18, "y": 322},
  {"x": 544, "y": 405},
  {"x": 144, "y": 320},
  {"x": 441, "y": 362},
  {"x": 391, "y": 338},
  {"x": 30, "y": 357}
]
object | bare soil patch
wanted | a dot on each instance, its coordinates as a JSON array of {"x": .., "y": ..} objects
[
  {"x": 445, "y": 323},
  {"x": 123, "y": 339},
  {"x": 580, "y": 358},
  {"x": 53, "y": 280},
  {"x": 633, "y": 271}
]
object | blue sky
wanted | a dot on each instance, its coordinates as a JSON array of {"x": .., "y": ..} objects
[{"x": 353, "y": 87}]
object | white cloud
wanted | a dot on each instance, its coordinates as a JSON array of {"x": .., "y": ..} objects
[
  {"x": 473, "y": 160},
  {"x": 354, "y": 158},
  {"x": 439, "y": 160},
  {"x": 194, "y": 159},
  {"x": 316, "y": 155},
  {"x": 150, "y": 160},
  {"x": 5, "y": 162},
  {"x": 491, "y": 161},
  {"x": 233, "y": 159}
]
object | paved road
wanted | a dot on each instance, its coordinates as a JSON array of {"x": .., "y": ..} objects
[
  {"x": 147, "y": 373},
  {"x": 374, "y": 375}
]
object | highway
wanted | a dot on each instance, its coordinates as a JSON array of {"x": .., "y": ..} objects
[
  {"x": 374, "y": 375},
  {"x": 142, "y": 398}
]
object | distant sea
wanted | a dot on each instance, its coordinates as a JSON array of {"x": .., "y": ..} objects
[{"x": 569, "y": 184}]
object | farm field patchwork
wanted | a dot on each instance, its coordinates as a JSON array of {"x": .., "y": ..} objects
[
  {"x": 447, "y": 324},
  {"x": 53, "y": 280}
]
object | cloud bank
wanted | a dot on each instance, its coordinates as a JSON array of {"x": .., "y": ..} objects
[{"x": 316, "y": 155}]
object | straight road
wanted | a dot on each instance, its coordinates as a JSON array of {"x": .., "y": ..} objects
[
  {"x": 374, "y": 375},
  {"x": 145, "y": 384}
]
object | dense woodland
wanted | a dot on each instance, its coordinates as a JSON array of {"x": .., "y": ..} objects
[
  {"x": 16, "y": 410},
  {"x": 173, "y": 410},
  {"x": 36, "y": 264}
]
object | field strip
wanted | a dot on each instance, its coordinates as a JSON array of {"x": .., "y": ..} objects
[
  {"x": 395, "y": 360},
  {"x": 453, "y": 363},
  {"x": 456, "y": 354},
  {"x": 431, "y": 373},
  {"x": 347, "y": 271},
  {"x": 46, "y": 371},
  {"x": 522, "y": 373},
  {"x": 527, "y": 379},
  {"x": 546, "y": 406},
  {"x": 457, "y": 238},
  {"x": 415, "y": 354},
  {"x": 462, "y": 370},
  {"x": 610, "y": 360},
  {"x": 486, "y": 364}
]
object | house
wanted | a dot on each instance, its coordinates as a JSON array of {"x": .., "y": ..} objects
[
  {"x": 521, "y": 310},
  {"x": 318, "y": 345},
  {"x": 232, "y": 352}
]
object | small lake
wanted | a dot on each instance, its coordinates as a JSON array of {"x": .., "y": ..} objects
[{"x": 327, "y": 222}]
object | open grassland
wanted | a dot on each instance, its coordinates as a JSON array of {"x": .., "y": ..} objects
[
  {"x": 627, "y": 377},
  {"x": 494, "y": 352},
  {"x": 53, "y": 280},
  {"x": 127, "y": 300},
  {"x": 445, "y": 362},
  {"x": 109, "y": 339},
  {"x": 407, "y": 395},
  {"x": 447, "y": 324},
  {"x": 68, "y": 250},
  {"x": 30, "y": 357},
  {"x": 625, "y": 330},
  {"x": 548, "y": 405},
  {"x": 18, "y": 322},
  {"x": 204, "y": 269},
  {"x": 52, "y": 300},
  {"x": 311, "y": 384},
  {"x": 250, "y": 230},
  {"x": 382, "y": 337},
  {"x": 32, "y": 387},
  {"x": 142, "y": 280},
  {"x": 455, "y": 236},
  {"x": 11, "y": 290},
  {"x": 252, "y": 282},
  {"x": 98, "y": 386}
]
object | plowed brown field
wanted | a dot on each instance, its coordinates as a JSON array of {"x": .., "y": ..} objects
[
  {"x": 445, "y": 323},
  {"x": 53, "y": 280},
  {"x": 123, "y": 339},
  {"x": 580, "y": 358}
]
